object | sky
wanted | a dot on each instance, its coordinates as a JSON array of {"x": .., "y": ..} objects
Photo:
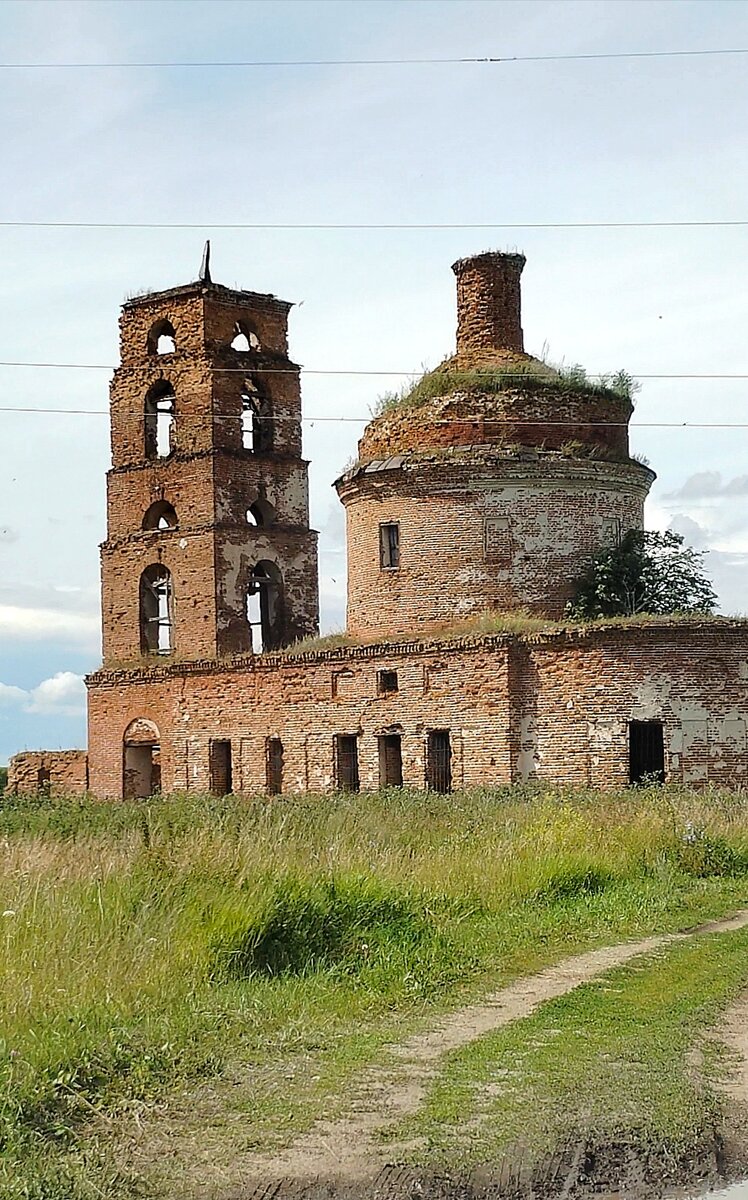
[{"x": 513, "y": 143}]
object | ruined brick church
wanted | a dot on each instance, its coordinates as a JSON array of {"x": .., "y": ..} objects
[{"x": 482, "y": 492}]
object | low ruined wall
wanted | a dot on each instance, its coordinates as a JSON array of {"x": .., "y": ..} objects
[
  {"x": 575, "y": 694},
  {"x": 306, "y": 702},
  {"x": 58, "y": 772},
  {"x": 555, "y": 707}
]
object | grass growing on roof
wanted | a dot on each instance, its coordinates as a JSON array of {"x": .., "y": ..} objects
[
  {"x": 517, "y": 623},
  {"x": 524, "y": 376},
  {"x": 148, "y": 946}
]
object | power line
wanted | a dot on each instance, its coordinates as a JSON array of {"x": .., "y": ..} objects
[
  {"x": 488, "y": 421},
  {"x": 485, "y": 60},
  {"x": 452, "y": 374},
  {"x": 372, "y": 225}
]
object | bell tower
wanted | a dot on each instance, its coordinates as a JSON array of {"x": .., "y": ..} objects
[{"x": 209, "y": 551}]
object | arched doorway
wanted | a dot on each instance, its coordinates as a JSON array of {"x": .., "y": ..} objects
[{"x": 141, "y": 760}]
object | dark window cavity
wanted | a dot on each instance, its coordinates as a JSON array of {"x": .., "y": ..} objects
[
  {"x": 274, "y": 766},
  {"x": 438, "y": 761},
  {"x": 389, "y": 546},
  {"x": 390, "y": 760},
  {"x": 386, "y": 682},
  {"x": 646, "y": 752},
  {"x": 346, "y": 762},
  {"x": 156, "y": 603},
  {"x": 159, "y": 420},
  {"x": 220, "y": 767}
]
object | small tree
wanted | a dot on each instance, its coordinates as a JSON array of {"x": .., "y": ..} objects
[{"x": 644, "y": 573}]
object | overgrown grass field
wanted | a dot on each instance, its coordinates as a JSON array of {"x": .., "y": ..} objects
[{"x": 147, "y": 946}]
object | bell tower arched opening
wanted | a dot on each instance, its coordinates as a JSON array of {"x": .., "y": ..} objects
[
  {"x": 159, "y": 420},
  {"x": 156, "y": 624},
  {"x": 161, "y": 337},
  {"x": 265, "y": 607},
  {"x": 257, "y": 424}
]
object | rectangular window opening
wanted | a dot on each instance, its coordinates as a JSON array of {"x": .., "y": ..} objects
[
  {"x": 438, "y": 761},
  {"x": 274, "y": 766},
  {"x": 386, "y": 683},
  {"x": 390, "y": 760},
  {"x": 389, "y": 546},
  {"x": 220, "y": 767},
  {"x": 142, "y": 771},
  {"x": 646, "y": 752},
  {"x": 346, "y": 762}
]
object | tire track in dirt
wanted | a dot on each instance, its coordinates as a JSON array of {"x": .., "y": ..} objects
[{"x": 346, "y": 1149}]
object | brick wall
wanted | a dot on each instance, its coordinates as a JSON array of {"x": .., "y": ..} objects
[
  {"x": 575, "y": 694},
  {"x": 305, "y": 702},
  {"x": 209, "y": 479},
  {"x": 489, "y": 302},
  {"x": 543, "y": 416},
  {"x": 479, "y": 532},
  {"x": 556, "y": 707},
  {"x": 59, "y": 772}
]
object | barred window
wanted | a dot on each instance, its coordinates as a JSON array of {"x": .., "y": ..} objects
[{"x": 389, "y": 546}]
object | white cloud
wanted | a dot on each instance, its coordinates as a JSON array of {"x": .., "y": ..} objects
[
  {"x": 64, "y": 694},
  {"x": 44, "y": 624},
  {"x": 705, "y": 485},
  {"x": 11, "y": 696}
]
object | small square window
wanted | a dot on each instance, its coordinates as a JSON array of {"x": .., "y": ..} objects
[
  {"x": 611, "y": 531},
  {"x": 386, "y": 682},
  {"x": 389, "y": 546}
]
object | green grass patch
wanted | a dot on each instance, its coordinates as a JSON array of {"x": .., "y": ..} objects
[
  {"x": 330, "y": 922},
  {"x": 524, "y": 376},
  {"x": 608, "y": 1063},
  {"x": 148, "y": 946}
]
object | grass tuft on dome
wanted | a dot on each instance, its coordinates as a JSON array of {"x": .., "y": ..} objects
[{"x": 530, "y": 375}]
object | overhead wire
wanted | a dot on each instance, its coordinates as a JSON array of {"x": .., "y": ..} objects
[
  {"x": 482, "y": 60},
  {"x": 363, "y": 420},
  {"x": 250, "y": 370},
  {"x": 453, "y": 374},
  {"x": 376, "y": 225}
]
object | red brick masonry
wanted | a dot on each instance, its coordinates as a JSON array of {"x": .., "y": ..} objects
[{"x": 555, "y": 707}]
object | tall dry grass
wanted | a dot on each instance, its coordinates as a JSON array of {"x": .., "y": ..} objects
[{"x": 147, "y": 944}]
